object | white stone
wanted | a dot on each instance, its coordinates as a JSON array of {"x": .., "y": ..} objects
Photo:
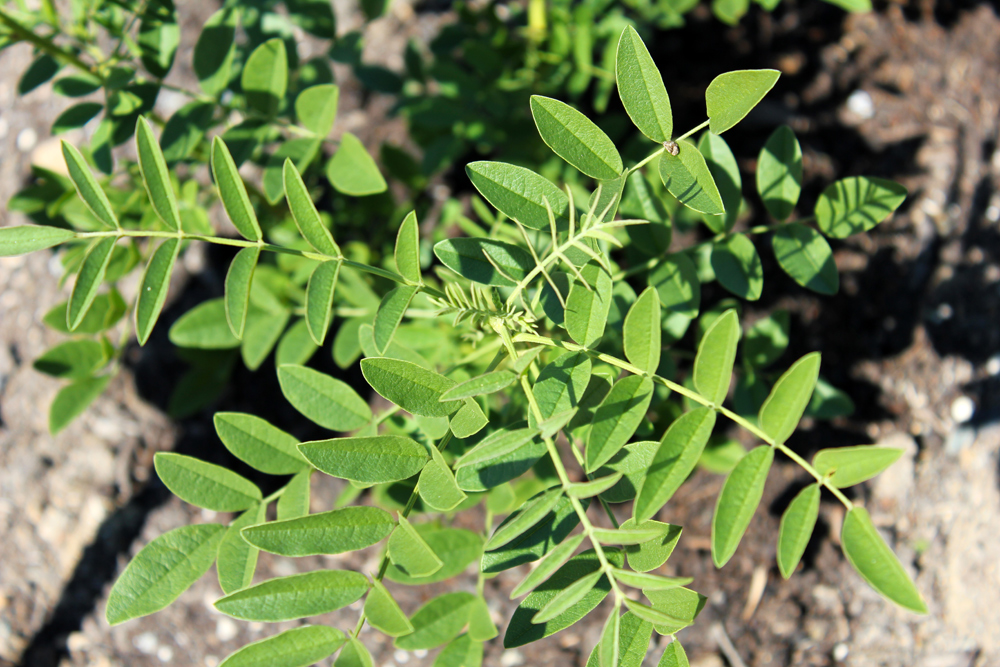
[
  {"x": 511, "y": 658},
  {"x": 26, "y": 139},
  {"x": 840, "y": 652},
  {"x": 146, "y": 643},
  {"x": 401, "y": 656},
  {"x": 860, "y": 103},
  {"x": 962, "y": 409},
  {"x": 165, "y": 654},
  {"x": 226, "y": 629}
]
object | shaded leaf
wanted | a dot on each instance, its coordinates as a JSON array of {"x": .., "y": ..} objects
[
  {"x": 73, "y": 399},
  {"x": 87, "y": 186},
  {"x": 738, "y": 501},
  {"x": 316, "y": 108},
  {"x": 294, "y": 502},
  {"x": 617, "y": 418},
  {"x": 650, "y": 555},
  {"x": 238, "y": 280},
  {"x": 737, "y": 266},
  {"x": 587, "y": 308},
  {"x": 732, "y": 95},
  {"x": 437, "y": 484},
  {"x": 455, "y": 547},
  {"x": 319, "y": 299},
  {"x": 856, "y": 204},
  {"x": 468, "y": 258},
  {"x": 438, "y": 621},
  {"x": 642, "y": 332},
  {"x": 296, "y": 596},
  {"x": 89, "y": 280},
  {"x": 410, "y": 553},
  {"x": 806, "y": 256},
  {"x": 488, "y": 383},
  {"x": 72, "y": 360},
  {"x": 265, "y": 77},
  {"x": 390, "y": 313},
  {"x": 304, "y": 212},
  {"x": 779, "y": 173},
  {"x": 407, "y": 250},
  {"x": 214, "y": 51},
  {"x": 534, "y": 543},
  {"x": 688, "y": 178},
  {"x": 237, "y": 560},
  {"x": 784, "y": 406}
]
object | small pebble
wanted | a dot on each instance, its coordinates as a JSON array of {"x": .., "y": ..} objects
[
  {"x": 861, "y": 105},
  {"x": 211, "y": 661},
  {"x": 993, "y": 213},
  {"x": 962, "y": 409},
  {"x": 165, "y": 654},
  {"x": 840, "y": 652},
  {"x": 146, "y": 643},
  {"x": 26, "y": 139},
  {"x": 401, "y": 656},
  {"x": 993, "y": 365},
  {"x": 4, "y": 128},
  {"x": 420, "y": 653},
  {"x": 511, "y": 658},
  {"x": 226, "y": 629}
]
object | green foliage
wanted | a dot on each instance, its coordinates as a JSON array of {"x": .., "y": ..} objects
[{"x": 570, "y": 308}]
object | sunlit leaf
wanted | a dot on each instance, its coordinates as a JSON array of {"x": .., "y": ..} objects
[{"x": 738, "y": 501}]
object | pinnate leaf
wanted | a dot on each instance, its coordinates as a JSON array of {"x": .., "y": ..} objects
[
  {"x": 304, "y": 212},
  {"x": 297, "y": 647},
  {"x": 796, "y": 528},
  {"x": 316, "y": 108},
  {"x": 847, "y": 466},
  {"x": 407, "y": 250},
  {"x": 641, "y": 88},
  {"x": 456, "y": 548},
  {"x": 534, "y": 543},
  {"x": 856, "y": 204},
  {"x": 72, "y": 360},
  {"x": 587, "y": 307},
  {"x": 22, "y": 239},
  {"x": 87, "y": 186},
  {"x": 73, "y": 399},
  {"x": 265, "y": 77},
  {"x": 353, "y": 171},
  {"x": 552, "y": 562},
  {"x": 806, "y": 256},
  {"x": 533, "y": 511},
  {"x": 634, "y": 636},
  {"x": 383, "y": 612},
  {"x": 784, "y": 406},
  {"x": 162, "y": 570},
  {"x": 488, "y": 383},
  {"x": 375, "y": 459},
  {"x": 713, "y": 366},
  {"x": 737, "y": 266},
  {"x": 237, "y": 559},
  {"x": 617, "y": 418},
  {"x": 334, "y": 532},
  {"x": 153, "y": 288},
  {"x": 214, "y": 51},
  {"x": 294, "y": 502},
  {"x": 872, "y": 558},
  {"x": 519, "y": 193},
  {"x": 688, "y": 178},
  {"x": 478, "y": 260},
  {"x": 390, "y": 313},
  {"x": 417, "y": 390},
  {"x": 653, "y": 553},
  {"x": 155, "y": 176},
  {"x": 732, "y": 95},
  {"x": 738, "y": 501},
  {"x": 575, "y": 138},
  {"x": 233, "y": 192},
  {"x": 296, "y": 596},
  {"x": 238, "y": 280},
  {"x": 329, "y": 402},
  {"x": 674, "y": 656},
  {"x": 89, "y": 280},
  {"x": 205, "y": 484},
  {"x": 319, "y": 299},
  {"x": 354, "y": 654},
  {"x": 779, "y": 173},
  {"x": 438, "y": 487},
  {"x": 642, "y": 332},
  {"x": 438, "y": 621},
  {"x": 567, "y": 597}
]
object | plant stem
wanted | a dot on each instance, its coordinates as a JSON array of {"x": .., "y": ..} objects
[
  {"x": 45, "y": 44},
  {"x": 698, "y": 398},
  {"x": 692, "y": 131}
]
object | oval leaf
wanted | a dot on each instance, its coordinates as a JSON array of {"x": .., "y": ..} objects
[
  {"x": 874, "y": 561},
  {"x": 738, "y": 501},
  {"x": 519, "y": 193},
  {"x": 575, "y": 138},
  {"x": 22, "y": 239},
  {"x": 233, "y": 192},
  {"x": 319, "y": 299},
  {"x": 329, "y": 402},
  {"x": 856, "y": 204},
  {"x": 410, "y": 553},
  {"x": 265, "y": 77},
  {"x": 390, "y": 313},
  {"x": 485, "y": 261},
  {"x": 407, "y": 250},
  {"x": 373, "y": 459},
  {"x": 154, "y": 287},
  {"x": 304, "y": 212},
  {"x": 383, "y": 612},
  {"x": 642, "y": 332},
  {"x": 688, "y": 178},
  {"x": 713, "y": 366},
  {"x": 847, "y": 466},
  {"x": 205, "y": 484},
  {"x": 353, "y": 171},
  {"x": 641, "y": 88},
  {"x": 784, "y": 406},
  {"x": 298, "y": 647},
  {"x": 155, "y": 176},
  {"x": 737, "y": 266},
  {"x": 335, "y": 532},
  {"x": 415, "y": 389},
  {"x": 259, "y": 444},
  {"x": 238, "y": 280},
  {"x": 482, "y": 385},
  {"x": 316, "y": 108},
  {"x": 438, "y": 622},
  {"x": 617, "y": 418},
  {"x": 779, "y": 173},
  {"x": 297, "y": 596},
  {"x": 732, "y": 95},
  {"x": 806, "y": 256},
  {"x": 796, "y": 528}
]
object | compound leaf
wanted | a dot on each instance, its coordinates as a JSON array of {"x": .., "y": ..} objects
[
  {"x": 478, "y": 260},
  {"x": 676, "y": 282},
  {"x": 319, "y": 299},
  {"x": 329, "y": 402},
  {"x": 407, "y": 250},
  {"x": 316, "y": 108},
  {"x": 409, "y": 552},
  {"x": 294, "y": 502},
  {"x": 641, "y": 88},
  {"x": 488, "y": 383},
  {"x": 304, "y": 212},
  {"x": 587, "y": 308},
  {"x": 726, "y": 173},
  {"x": 334, "y": 532},
  {"x": 155, "y": 176},
  {"x": 642, "y": 332},
  {"x": 481, "y": 626},
  {"x": 806, "y": 256},
  {"x": 354, "y": 654},
  {"x": 73, "y": 399},
  {"x": 788, "y": 399},
  {"x": 237, "y": 559},
  {"x": 575, "y": 138},
  {"x": 89, "y": 280},
  {"x": 872, "y": 558},
  {"x": 455, "y": 547},
  {"x": 847, "y": 466},
  {"x": 353, "y": 171},
  {"x": 567, "y": 597},
  {"x": 72, "y": 360},
  {"x": 298, "y": 647},
  {"x": 527, "y": 516},
  {"x": 296, "y": 596},
  {"x": 552, "y": 562},
  {"x": 779, "y": 173},
  {"x": 383, "y": 612},
  {"x": 438, "y": 621},
  {"x": 87, "y": 186},
  {"x": 417, "y": 390},
  {"x": 238, "y": 280},
  {"x": 205, "y": 484},
  {"x": 534, "y": 543},
  {"x": 375, "y": 459},
  {"x": 856, "y": 204},
  {"x": 390, "y": 313},
  {"x": 688, "y": 178},
  {"x": 651, "y": 554},
  {"x": 154, "y": 287},
  {"x": 214, "y": 51},
  {"x": 634, "y": 635},
  {"x": 162, "y": 570},
  {"x": 437, "y": 484},
  {"x": 233, "y": 192},
  {"x": 732, "y": 95},
  {"x": 265, "y": 77},
  {"x": 22, "y": 239},
  {"x": 738, "y": 500},
  {"x": 737, "y": 266},
  {"x": 796, "y": 528},
  {"x": 617, "y": 418},
  {"x": 519, "y": 193},
  {"x": 713, "y": 366}
]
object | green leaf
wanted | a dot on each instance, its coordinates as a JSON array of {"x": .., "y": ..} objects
[
  {"x": 610, "y": 645},
  {"x": 294, "y": 502},
  {"x": 390, "y": 313},
  {"x": 214, "y": 51},
  {"x": 827, "y": 401},
  {"x": 519, "y": 193},
  {"x": 319, "y": 299},
  {"x": 415, "y": 389},
  {"x": 334, "y": 532},
  {"x": 262, "y": 333},
  {"x": 635, "y": 535},
  {"x": 527, "y": 516},
  {"x": 87, "y": 186},
  {"x": 23, "y": 239},
  {"x": 461, "y": 652},
  {"x": 154, "y": 287},
  {"x": 383, "y": 612},
  {"x": 732, "y": 95},
  {"x": 469, "y": 420},
  {"x": 535, "y": 542},
  {"x": 872, "y": 558},
  {"x": 437, "y": 484},
  {"x": 617, "y": 418},
  {"x": 233, "y": 192},
  {"x": 410, "y": 553},
  {"x": 766, "y": 340},
  {"x": 41, "y": 69},
  {"x": 407, "y": 250},
  {"x": 687, "y": 177},
  {"x": 158, "y": 38},
  {"x": 779, "y": 173},
  {"x": 373, "y": 459},
  {"x": 205, "y": 484},
  {"x": 682, "y": 604},
  {"x": 185, "y": 130},
  {"x": 354, "y": 654},
  {"x": 155, "y": 176},
  {"x": 485, "y": 261},
  {"x": 259, "y": 444},
  {"x": 796, "y": 528},
  {"x": 784, "y": 406},
  {"x": 298, "y": 647},
  {"x": 73, "y": 399},
  {"x": 561, "y": 384},
  {"x": 352, "y": 170},
  {"x": 481, "y": 626},
  {"x": 237, "y": 560},
  {"x": 806, "y": 256},
  {"x": 316, "y": 108},
  {"x": 847, "y": 466},
  {"x": 575, "y": 138},
  {"x": 652, "y": 615},
  {"x": 297, "y": 596},
  {"x": 89, "y": 280},
  {"x": 304, "y": 212},
  {"x": 587, "y": 307},
  {"x": 738, "y": 501},
  {"x": 238, "y": 280},
  {"x": 329, "y": 402},
  {"x": 674, "y": 656},
  {"x": 488, "y": 383},
  {"x": 552, "y": 562},
  {"x": 162, "y": 570},
  {"x": 634, "y": 635},
  {"x": 713, "y": 366},
  {"x": 641, "y": 88},
  {"x": 500, "y": 457},
  {"x": 856, "y": 204},
  {"x": 677, "y": 284},
  {"x": 567, "y": 597},
  {"x": 72, "y": 360},
  {"x": 737, "y": 266},
  {"x": 633, "y": 461},
  {"x": 642, "y": 332},
  {"x": 438, "y": 621},
  {"x": 521, "y": 630},
  {"x": 652, "y": 582},
  {"x": 650, "y": 555},
  {"x": 296, "y": 346},
  {"x": 726, "y": 174},
  {"x": 204, "y": 327},
  {"x": 265, "y": 77},
  {"x": 594, "y": 487},
  {"x": 106, "y": 310},
  {"x": 455, "y": 547}
]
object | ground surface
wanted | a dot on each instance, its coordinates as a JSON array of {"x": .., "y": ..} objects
[{"x": 911, "y": 335}]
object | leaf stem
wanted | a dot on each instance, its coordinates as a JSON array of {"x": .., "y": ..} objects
[
  {"x": 698, "y": 398},
  {"x": 45, "y": 44}
]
